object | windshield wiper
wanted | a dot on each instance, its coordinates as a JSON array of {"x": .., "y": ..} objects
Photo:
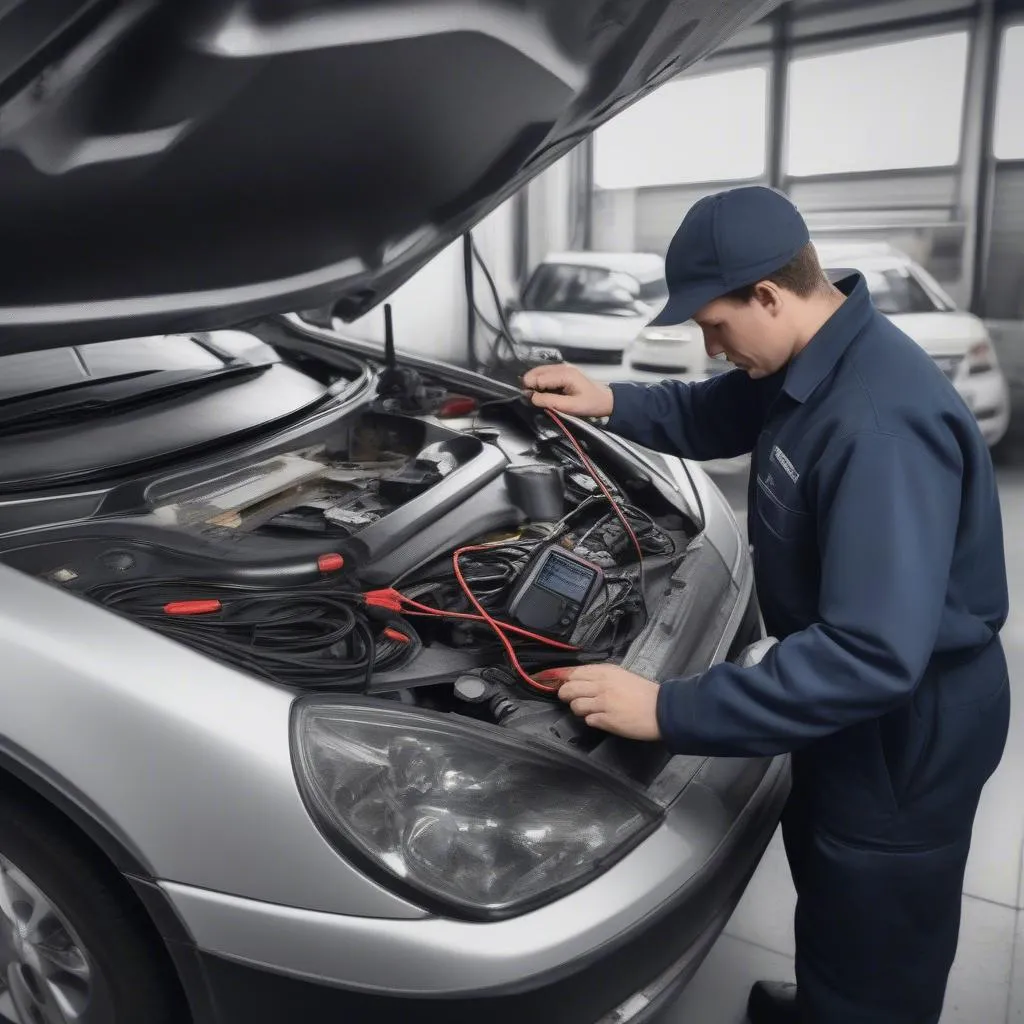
[{"x": 57, "y": 407}]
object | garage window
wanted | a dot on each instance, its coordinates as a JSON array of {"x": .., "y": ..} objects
[
  {"x": 1009, "y": 134},
  {"x": 703, "y": 129},
  {"x": 880, "y": 108}
]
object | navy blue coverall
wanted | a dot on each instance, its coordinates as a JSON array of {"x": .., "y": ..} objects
[{"x": 878, "y": 554}]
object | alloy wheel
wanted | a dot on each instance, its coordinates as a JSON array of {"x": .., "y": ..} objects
[{"x": 45, "y": 971}]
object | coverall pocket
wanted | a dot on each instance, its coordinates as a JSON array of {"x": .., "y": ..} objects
[
  {"x": 785, "y": 522},
  {"x": 899, "y": 749},
  {"x": 957, "y": 746}
]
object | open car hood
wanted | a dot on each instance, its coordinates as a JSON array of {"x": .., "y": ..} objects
[{"x": 175, "y": 165}]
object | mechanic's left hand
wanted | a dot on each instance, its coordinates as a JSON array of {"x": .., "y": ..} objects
[{"x": 610, "y": 698}]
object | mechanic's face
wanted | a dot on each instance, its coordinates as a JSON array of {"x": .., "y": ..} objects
[{"x": 757, "y": 336}]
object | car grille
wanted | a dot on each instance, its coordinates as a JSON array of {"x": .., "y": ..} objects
[
  {"x": 660, "y": 368},
  {"x": 598, "y": 356},
  {"x": 948, "y": 364}
]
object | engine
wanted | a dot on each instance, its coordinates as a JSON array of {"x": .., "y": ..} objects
[{"x": 442, "y": 560}]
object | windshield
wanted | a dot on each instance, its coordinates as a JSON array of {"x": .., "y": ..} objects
[
  {"x": 895, "y": 291},
  {"x": 565, "y": 288}
]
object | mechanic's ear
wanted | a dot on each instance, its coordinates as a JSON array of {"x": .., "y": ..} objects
[{"x": 768, "y": 296}]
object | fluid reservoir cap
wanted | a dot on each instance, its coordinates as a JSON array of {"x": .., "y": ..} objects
[{"x": 471, "y": 689}]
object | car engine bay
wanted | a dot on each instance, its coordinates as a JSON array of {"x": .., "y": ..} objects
[{"x": 434, "y": 548}]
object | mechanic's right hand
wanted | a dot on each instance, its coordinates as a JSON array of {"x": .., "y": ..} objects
[{"x": 565, "y": 388}]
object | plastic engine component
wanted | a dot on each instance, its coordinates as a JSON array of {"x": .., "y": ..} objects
[{"x": 538, "y": 491}]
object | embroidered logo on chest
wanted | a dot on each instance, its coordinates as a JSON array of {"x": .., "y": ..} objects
[{"x": 779, "y": 456}]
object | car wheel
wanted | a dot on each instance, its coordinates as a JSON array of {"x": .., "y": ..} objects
[{"x": 73, "y": 948}]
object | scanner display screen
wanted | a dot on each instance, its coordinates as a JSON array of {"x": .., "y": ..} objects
[{"x": 565, "y": 577}]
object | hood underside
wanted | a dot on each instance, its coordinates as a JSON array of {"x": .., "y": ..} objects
[{"x": 171, "y": 165}]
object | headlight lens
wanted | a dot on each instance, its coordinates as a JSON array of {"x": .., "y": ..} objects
[
  {"x": 460, "y": 812},
  {"x": 981, "y": 358}
]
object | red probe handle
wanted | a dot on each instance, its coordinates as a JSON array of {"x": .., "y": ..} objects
[{"x": 192, "y": 607}]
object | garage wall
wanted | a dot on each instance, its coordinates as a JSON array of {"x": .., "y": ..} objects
[
  {"x": 918, "y": 212},
  {"x": 659, "y": 212},
  {"x": 429, "y": 310},
  {"x": 1004, "y": 278},
  {"x": 929, "y": 211},
  {"x": 550, "y": 202}
]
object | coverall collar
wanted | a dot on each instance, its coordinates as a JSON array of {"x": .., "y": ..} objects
[{"x": 824, "y": 350}]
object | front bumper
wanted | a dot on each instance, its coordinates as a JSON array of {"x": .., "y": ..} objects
[
  {"x": 988, "y": 397},
  {"x": 626, "y": 980}
]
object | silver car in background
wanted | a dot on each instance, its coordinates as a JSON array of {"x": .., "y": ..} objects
[{"x": 590, "y": 306}]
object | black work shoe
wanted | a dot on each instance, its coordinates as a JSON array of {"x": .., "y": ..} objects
[{"x": 772, "y": 1002}]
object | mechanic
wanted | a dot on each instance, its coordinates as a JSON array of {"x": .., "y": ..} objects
[{"x": 878, "y": 555}]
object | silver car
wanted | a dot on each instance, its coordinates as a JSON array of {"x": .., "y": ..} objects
[
  {"x": 590, "y": 306},
  {"x": 276, "y": 741}
]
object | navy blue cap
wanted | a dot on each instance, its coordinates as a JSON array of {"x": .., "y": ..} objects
[{"x": 728, "y": 241}]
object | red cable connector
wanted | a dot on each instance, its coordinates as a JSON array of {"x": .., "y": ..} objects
[
  {"x": 457, "y": 405},
  {"x": 387, "y": 598},
  {"x": 192, "y": 607}
]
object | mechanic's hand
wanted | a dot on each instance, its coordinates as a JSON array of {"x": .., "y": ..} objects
[
  {"x": 610, "y": 698},
  {"x": 567, "y": 389}
]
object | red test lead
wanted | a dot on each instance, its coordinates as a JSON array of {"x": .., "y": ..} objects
[{"x": 192, "y": 607}]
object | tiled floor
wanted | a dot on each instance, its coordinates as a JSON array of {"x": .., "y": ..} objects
[{"x": 987, "y": 982}]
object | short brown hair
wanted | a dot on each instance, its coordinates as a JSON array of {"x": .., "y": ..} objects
[{"x": 802, "y": 275}]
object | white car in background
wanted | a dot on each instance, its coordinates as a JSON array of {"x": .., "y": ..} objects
[
  {"x": 590, "y": 306},
  {"x": 903, "y": 290}
]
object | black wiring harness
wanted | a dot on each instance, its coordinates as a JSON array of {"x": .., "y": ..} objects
[{"x": 311, "y": 637}]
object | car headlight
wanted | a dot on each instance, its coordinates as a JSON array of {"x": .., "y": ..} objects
[
  {"x": 981, "y": 357},
  {"x": 461, "y": 813}
]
